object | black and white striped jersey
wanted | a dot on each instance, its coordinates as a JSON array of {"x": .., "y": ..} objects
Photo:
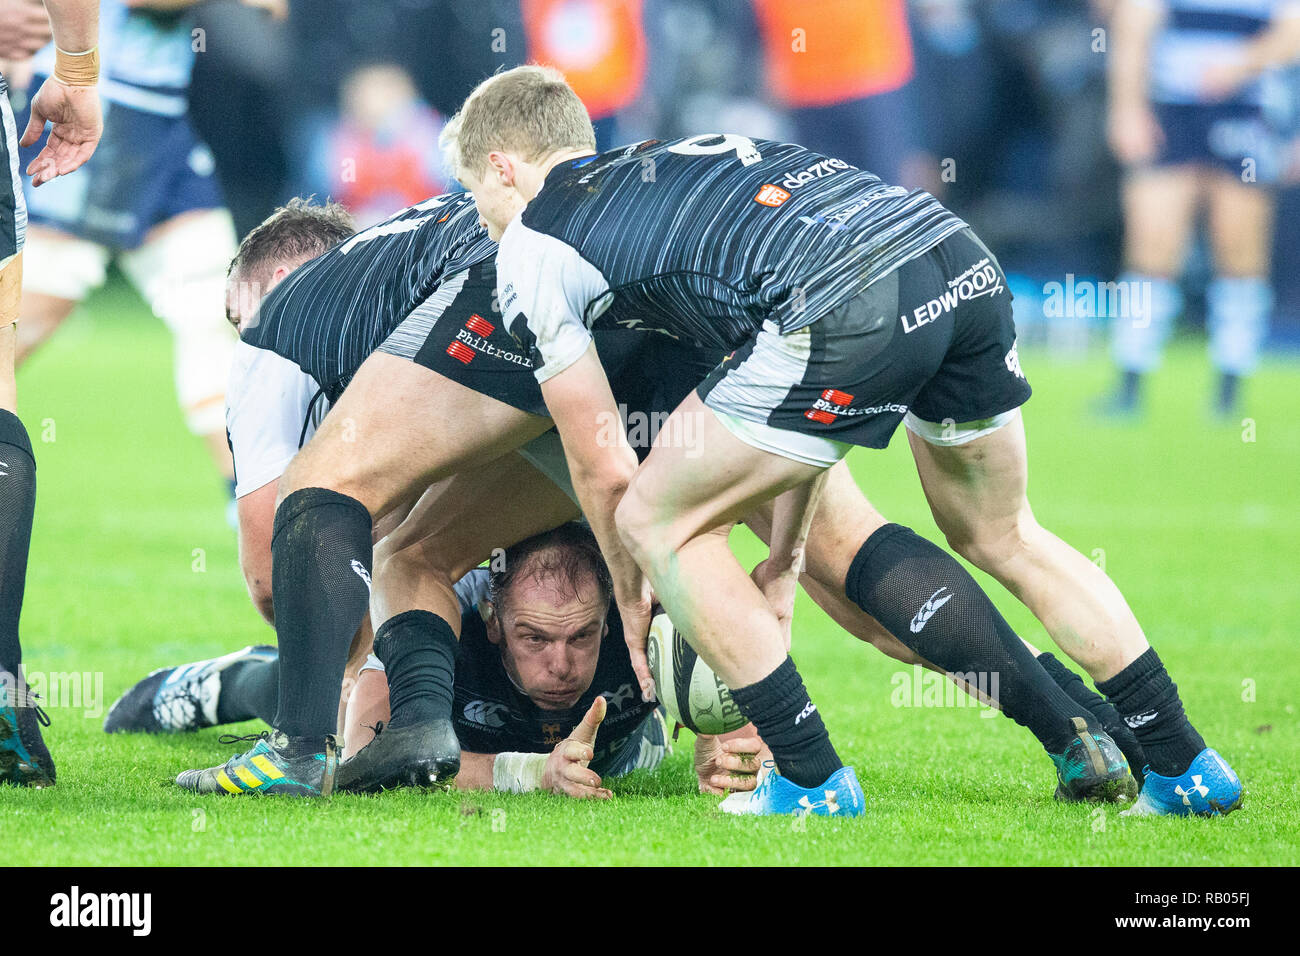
[
  {"x": 704, "y": 239},
  {"x": 331, "y": 313}
]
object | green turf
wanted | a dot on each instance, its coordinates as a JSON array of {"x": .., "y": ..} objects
[{"x": 133, "y": 567}]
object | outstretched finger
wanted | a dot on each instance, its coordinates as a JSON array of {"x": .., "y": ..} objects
[{"x": 585, "y": 732}]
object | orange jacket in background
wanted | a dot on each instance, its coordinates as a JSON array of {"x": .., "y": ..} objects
[
  {"x": 599, "y": 46},
  {"x": 848, "y": 49}
]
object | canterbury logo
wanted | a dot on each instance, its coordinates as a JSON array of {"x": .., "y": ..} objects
[
  {"x": 1139, "y": 720},
  {"x": 362, "y": 573},
  {"x": 808, "y": 710},
  {"x": 929, "y": 609}
]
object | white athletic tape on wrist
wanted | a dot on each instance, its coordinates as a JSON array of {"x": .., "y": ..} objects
[{"x": 518, "y": 773}]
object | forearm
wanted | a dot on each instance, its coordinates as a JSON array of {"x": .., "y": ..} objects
[
  {"x": 792, "y": 516},
  {"x": 599, "y": 494},
  {"x": 1132, "y": 30},
  {"x": 507, "y": 772},
  {"x": 1277, "y": 46},
  {"x": 475, "y": 771},
  {"x": 74, "y": 23}
]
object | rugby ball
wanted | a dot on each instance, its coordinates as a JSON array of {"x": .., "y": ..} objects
[{"x": 693, "y": 695}]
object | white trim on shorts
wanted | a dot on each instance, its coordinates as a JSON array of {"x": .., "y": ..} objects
[
  {"x": 809, "y": 449},
  {"x": 753, "y": 389},
  {"x": 949, "y": 433}
]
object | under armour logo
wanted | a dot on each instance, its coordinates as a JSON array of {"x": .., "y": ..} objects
[
  {"x": 831, "y": 803},
  {"x": 362, "y": 573},
  {"x": 929, "y": 609},
  {"x": 1196, "y": 787}
]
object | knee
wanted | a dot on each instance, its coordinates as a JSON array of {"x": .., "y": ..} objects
[
  {"x": 308, "y": 470},
  {"x": 993, "y": 548}
]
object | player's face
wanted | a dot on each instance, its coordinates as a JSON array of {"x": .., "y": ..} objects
[
  {"x": 550, "y": 639},
  {"x": 244, "y": 295},
  {"x": 495, "y": 196}
]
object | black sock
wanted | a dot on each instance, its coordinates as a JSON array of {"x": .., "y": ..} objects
[
  {"x": 320, "y": 582},
  {"x": 790, "y": 725},
  {"x": 17, "y": 504},
  {"x": 249, "y": 689},
  {"x": 1100, "y": 708},
  {"x": 418, "y": 649},
  {"x": 1148, "y": 701},
  {"x": 929, "y": 602},
  {"x": 1229, "y": 386},
  {"x": 1130, "y": 388}
]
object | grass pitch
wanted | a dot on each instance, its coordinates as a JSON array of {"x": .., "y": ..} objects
[{"x": 133, "y": 567}]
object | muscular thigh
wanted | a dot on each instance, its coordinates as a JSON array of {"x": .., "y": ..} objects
[
  {"x": 1159, "y": 211},
  {"x": 976, "y": 488},
  {"x": 398, "y": 428},
  {"x": 699, "y": 476},
  {"x": 842, "y": 523},
  {"x": 458, "y": 523},
  {"x": 1241, "y": 225}
]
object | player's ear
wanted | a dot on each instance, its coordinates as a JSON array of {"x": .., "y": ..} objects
[
  {"x": 492, "y": 621},
  {"x": 501, "y": 168}
]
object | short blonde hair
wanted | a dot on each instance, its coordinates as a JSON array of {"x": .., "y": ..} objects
[{"x": 530, "y": 111}]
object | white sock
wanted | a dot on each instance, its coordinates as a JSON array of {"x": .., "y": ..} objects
[
  {"x": 1138, "y": 338},
  {"x": 1238, "y": 321}
]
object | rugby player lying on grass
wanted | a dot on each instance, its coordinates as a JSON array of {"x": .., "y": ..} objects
[
  {"x": 401, "y": 307},
  {"x": 544, "y": 697}
]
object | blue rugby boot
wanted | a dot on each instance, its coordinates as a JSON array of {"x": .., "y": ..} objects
[
  {"x": 176, "y": 699},
  {"x": 1209, "y": 788},
  {"x": 24, "y": 759},
  {"x": 267, "y": 769},
  {"x": 1093, "y": 769},
  {"x": 840, "y": 796}
]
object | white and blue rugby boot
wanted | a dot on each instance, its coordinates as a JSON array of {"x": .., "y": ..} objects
[
  {"x": 173, "y": 700},
  {"x": 1209, "y": 788},
  {"x": 840, "y": 796}
]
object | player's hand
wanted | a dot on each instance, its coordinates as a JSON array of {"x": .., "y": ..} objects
[
  {"x": 1221, "y": 79},
  {"x": 26, "y": 28},
  {"x": 730, "y": 762},
  {"x": 1134, "y": 134},
  {"x": 278, "y": 9},
  {"x": 779, "y": 586},
  {"x": 77, "y": 125},
  {"x": 566, "y": 768},
  {"x": 636, "y": 616}
]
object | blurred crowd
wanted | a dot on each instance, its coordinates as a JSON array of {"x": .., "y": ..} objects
[{"x": 999, "y": 107}]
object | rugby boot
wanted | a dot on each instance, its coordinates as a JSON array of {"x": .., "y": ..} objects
[
  {"x": 840, "y": 796},
  {"x": 177, "y": 699},
  {"x": 1093, "y": 769},
  {"x": 267, "y": 769},
  {"x": 426, "y": 754},
  {"x": 1209, "y": 788}
]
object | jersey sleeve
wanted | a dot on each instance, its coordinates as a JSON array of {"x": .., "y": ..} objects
[
  {"x": 268, "y": 398},
  {"x": 546, "y": 290},
  {"x": 472, "y": 589}
]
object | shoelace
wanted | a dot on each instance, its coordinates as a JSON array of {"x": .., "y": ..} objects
[
  {"x": 378, "y": 727},
  {"x": 234, "y": 739},
  {"x": 27, "y": 699}
]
